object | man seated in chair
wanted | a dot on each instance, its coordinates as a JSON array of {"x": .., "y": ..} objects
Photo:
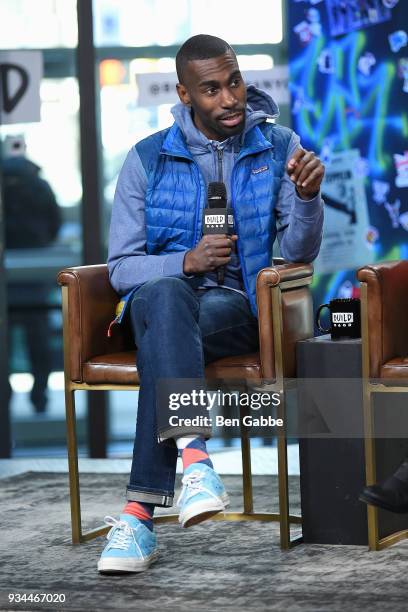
[{"x": 182, "y": 313}]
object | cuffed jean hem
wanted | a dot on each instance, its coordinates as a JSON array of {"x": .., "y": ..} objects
[
  {"x": 179, "y": 432},
  {"x": 158, "y": 499}
]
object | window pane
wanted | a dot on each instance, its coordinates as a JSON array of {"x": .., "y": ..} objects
[
  {"x": 235, "y": 23},
  {"x": 160, "y": 22},
  {"x": 42, "y": 193},
  {"x": 53, "y": 143},
  {"x": 25, "y": 24}
]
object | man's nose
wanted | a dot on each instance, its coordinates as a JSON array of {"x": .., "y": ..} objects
[{"x": 228, "y": 98}]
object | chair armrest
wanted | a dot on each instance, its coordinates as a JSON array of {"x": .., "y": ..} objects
[
  {"x": 293, "y": 280},
  {"x": 283, "y": 272},
  {"x": 386, "y": 311},
  {"x": 89, "y": 304}
]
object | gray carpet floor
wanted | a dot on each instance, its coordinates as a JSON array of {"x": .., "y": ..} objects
[{"x": 211, "y": 567}]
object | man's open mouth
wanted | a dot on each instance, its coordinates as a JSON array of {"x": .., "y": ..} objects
[{"x": 232, "y": 120}]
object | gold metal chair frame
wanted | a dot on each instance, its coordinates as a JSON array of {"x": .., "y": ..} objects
[
  {"x": 283, "y": 517},
  {"x": 369, "y": 388}
]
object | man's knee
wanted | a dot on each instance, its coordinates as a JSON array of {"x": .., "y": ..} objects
[
  {"x": 164, "y": 287},
  {"x": 161, "y": 296}
]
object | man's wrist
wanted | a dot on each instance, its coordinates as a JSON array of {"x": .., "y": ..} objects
[
  {"x": 187, "y": 265},
  {"x": 307, "y": 196}
]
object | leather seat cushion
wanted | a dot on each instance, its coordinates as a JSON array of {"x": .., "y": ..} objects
[
  {"x": 395, "y": 368},
  {"x": 113, "y": 368},
  {"x": 120, "y": 368}
]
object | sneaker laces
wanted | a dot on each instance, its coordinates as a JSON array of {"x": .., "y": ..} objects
[
  {"x": 192, "y": 484},
  {"x": 121, "y": 535}
]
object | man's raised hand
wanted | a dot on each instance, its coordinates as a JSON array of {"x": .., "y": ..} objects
[{"x": 307, "y": 172}]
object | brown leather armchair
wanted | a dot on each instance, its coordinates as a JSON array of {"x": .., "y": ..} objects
[
  {"x": 384, "y": 314},
  {"x": 95, "y": 362}
]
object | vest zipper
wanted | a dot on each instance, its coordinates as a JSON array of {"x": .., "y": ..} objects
[
  {"x": 243, "y": 270},
  {"x": 220, "y": 153},
  {"x": 199, "y": 212}
]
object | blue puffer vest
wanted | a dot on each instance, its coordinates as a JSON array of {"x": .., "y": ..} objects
[{"x": 176, "y": 195}]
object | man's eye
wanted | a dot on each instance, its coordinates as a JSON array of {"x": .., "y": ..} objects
[
  {"x": 236, "y": 82},
  {"x": 211, "y": 91}
]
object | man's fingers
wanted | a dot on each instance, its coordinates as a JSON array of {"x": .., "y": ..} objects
[
  {"x": 307, "y": 158},
  {"x": 223, "y": 252},
  {"x": 216, "y": 237},
  {"x": 214, "y": 250},
  {"x": 307, "y": 171},
  {"x": 210, "y": 238},
  {"x": 218, "y": 242},
  {"x": 297, "y": 155},
  {"x": 316, "y": 175},
  {"x": 222, "y": 261},
  {"x": 216, "y": 262}
]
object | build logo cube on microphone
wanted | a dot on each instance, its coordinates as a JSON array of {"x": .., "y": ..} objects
[{"x": 217, "y": 218}]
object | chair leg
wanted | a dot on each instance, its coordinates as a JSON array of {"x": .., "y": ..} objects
[
  {"x": 73, "y": 467},
  {"x": 247, "y": 490},
  {"x": 283, "y": 493},
  {"x": 246, "y": 472},
  {"x": 284, "y": 520},
  {"x": 371, "y": 477}
]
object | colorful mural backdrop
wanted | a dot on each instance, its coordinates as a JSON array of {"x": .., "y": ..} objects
[{"x": 349, "y": 89}]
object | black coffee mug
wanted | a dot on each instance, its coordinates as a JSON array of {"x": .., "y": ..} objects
[{"x": 344, "y": 318}]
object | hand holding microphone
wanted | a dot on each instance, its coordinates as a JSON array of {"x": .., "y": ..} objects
[{"x": 214, "y": 249}]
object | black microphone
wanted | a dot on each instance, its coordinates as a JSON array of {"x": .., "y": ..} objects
[{"x": 217, "y": 218}]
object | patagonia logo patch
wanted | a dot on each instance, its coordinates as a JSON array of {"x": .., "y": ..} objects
[{"x": 258, "y": 170}]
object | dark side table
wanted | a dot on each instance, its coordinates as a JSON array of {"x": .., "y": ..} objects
[{"x": 332, "y": 469}]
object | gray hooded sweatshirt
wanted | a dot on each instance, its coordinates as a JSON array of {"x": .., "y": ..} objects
[{"x": 299, "y": 222}]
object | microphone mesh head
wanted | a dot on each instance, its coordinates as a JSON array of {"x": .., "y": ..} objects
[{"x": 217, "y": 191}]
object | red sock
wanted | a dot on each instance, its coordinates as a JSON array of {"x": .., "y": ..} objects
[
  {"x": 144, "y": 512},
  {"x": 195, "y": 452}
]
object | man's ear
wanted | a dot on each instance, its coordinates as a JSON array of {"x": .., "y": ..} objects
[{"x": 183, "y": 94}]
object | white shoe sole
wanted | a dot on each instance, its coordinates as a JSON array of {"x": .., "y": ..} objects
[
  {"x": 116, "y": 565},
  {"x": 200, "y": 511}
]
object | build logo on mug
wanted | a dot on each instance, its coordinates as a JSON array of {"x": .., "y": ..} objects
[{"x": 344, "y": 318}]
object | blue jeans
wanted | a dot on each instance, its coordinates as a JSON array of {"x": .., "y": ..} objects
[{"x": 177, "y": 331}]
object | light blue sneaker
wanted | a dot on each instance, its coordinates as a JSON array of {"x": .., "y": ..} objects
[
  {"x": 132, "y": 547},
  {"x": 202, "y": 495}
]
